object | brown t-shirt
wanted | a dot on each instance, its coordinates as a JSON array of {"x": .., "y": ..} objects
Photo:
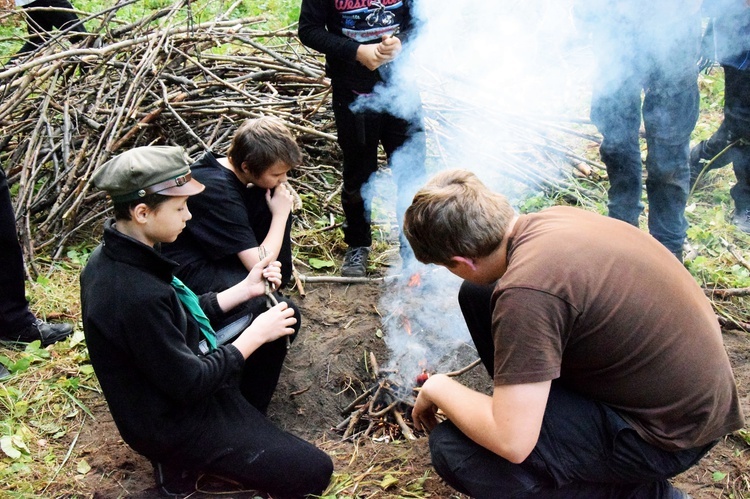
[{"x": 607, "y": 309}]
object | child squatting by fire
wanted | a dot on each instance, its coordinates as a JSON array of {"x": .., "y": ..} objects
[
  {"x": 601, "y": 389},
  {"x": 184, "y": 410}
]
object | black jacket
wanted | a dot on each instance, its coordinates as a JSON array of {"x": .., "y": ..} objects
[
  {"x": 337, "y": 28},
  {"x": 144, "y": 348}
]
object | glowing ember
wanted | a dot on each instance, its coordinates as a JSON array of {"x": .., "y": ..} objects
[{"x": 415, "y": 280}]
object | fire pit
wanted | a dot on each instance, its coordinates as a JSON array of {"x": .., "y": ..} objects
[{"x": 383, "y": 411}]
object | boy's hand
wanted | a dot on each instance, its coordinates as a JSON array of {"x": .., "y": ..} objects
[
  {"x": 264, "y": 269},
  {"x": 280, "y": 203},
  {"x": 269, "y": 326},
  {"x": 373, "y": 56}
]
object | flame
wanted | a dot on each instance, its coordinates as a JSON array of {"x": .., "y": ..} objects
[
  {"x": 407, "y": 325},
  {"x": 415, "y": 280}
]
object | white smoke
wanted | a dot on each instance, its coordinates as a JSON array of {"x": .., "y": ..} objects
[{"x": 486, "y": 74}]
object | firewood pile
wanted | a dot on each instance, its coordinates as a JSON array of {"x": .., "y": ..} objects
[
  {"x": 70, "y": 107},
  {"x": 382, "y": 412}
]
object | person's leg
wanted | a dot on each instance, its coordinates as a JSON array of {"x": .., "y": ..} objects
[
  {"x": 405, "y": 146},
  {"x": 263, "y": 368},
  {"x": 239, "y": 443},
  {"x": 616, "y": 112},
  {"x": 358, "y": 137},
  {"x": 476, "y": 307},
  {"x": 737, "y": 120},
  {"x": 14, "y": 308},
  {"x": 40, "y": 22},
  {"x": 670, "y": 111},
  {"x": 17, "y": 323},
  {"x": 585, "y": 449}
]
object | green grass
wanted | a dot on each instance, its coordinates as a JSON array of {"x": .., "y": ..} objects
[{"x": 278, "y": 14}]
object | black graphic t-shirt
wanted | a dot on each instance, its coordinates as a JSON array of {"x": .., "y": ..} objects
[{"x": 338, "y": 27}]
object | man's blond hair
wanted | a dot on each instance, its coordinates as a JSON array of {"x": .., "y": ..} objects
[{"x": 455, "y": 214}]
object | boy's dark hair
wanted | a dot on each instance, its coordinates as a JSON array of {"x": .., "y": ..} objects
[
  {"x": 122, "y": 210},
  {"x": 259, "y": 143}
]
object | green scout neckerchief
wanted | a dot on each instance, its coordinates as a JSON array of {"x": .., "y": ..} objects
[{"x": 190, "y": 300}]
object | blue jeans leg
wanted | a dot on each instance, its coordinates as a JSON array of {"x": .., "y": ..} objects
[
  {"x": 670, "y": 111},
  {"x": 617, "y": 115}
]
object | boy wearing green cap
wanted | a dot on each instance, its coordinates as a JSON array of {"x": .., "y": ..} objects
[{"x": 178, "y": 407}]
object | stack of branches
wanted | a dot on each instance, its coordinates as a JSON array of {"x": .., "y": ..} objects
[{"x": 67, "y": 109}]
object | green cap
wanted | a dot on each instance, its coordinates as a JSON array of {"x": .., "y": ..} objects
[{"x": 147, "y": 170}]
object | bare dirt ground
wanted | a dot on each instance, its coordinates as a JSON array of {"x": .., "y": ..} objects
[{"x": 324, "y": 372}]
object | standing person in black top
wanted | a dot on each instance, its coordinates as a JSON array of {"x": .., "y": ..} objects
[
  {"x": 359, "y": 40},
  {"x": 17, "y": 322},
  {"x": 181, "y": 408},
  {"x": 246, "y": 205}
]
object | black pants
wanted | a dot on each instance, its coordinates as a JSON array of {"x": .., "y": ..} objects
[
  {"x": 585, "y": 448},
  {"x": 235, "y": 440},
  {"x": 41, "y": 22},
  {"x": 736, "y": 125},
  {"x": 359, "y": 135},
  {"x": 14, "y": 308}
]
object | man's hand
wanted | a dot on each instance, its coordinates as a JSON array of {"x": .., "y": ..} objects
[
  {"x": 423, "y": 413},
  {"x": 280, "y": 203},
  {"x": 373, "y": 56}
]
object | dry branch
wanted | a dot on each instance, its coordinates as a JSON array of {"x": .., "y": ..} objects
[{"x": 67, "y": 109}]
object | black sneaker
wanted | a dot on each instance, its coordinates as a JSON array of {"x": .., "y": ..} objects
[
  {"x": 355, "y": 262},
  {"x": 40, "y": 330},
  {"x": 741, "y": 220}
]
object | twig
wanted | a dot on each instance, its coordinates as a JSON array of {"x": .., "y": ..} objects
[{"x": 464, "y": 369}]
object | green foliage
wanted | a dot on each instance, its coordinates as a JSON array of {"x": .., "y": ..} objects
[{"x": 278, "y": 14}]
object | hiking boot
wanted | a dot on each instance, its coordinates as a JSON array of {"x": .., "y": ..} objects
[
  {"x": 40, "y": 330},
  {"x": 741, "y": 220},
  {"x": 355, "y": 262}
]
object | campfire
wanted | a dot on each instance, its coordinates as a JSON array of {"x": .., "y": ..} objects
[
  {"x": 421, "y": 338},
  {"x": 383, "y": 411}
]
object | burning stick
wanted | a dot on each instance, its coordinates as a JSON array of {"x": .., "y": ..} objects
[{"x": 405, "y": 430}]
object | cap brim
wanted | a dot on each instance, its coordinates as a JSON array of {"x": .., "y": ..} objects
[{"x": 191, "y": 188}]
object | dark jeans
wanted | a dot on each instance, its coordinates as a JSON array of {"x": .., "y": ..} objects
[
  {"x": 14, "y": 308},
  {"x": 585, "y": 448},
  {"x": 359, "y": 135},
  {"x": 736, "y": 125},
  {"x": 630, "y": 61},
  {"x": 41, "y": 22}
]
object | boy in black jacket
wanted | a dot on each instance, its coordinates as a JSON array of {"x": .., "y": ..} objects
[{"x": 180, "y": 408}]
